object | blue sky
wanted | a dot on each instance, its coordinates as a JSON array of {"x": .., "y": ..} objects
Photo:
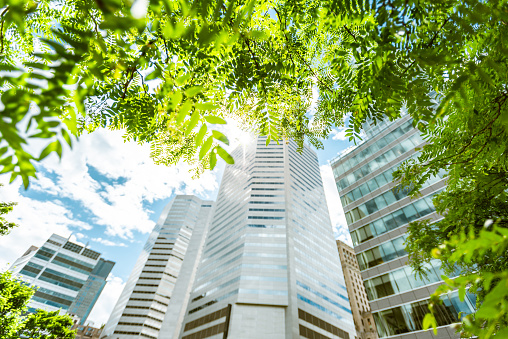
[{"x": 108, "y": 194}]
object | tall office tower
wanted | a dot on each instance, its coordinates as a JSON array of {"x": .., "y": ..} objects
[
  {"x": 364, "y": 321},
  {"x": 70, "y": 277},
  {"x": 155, "y": 297},
  {"x": 378, "y": 215},
  {"x": 270, "y": 267}
]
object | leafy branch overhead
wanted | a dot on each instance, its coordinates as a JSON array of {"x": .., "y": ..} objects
[{"x": 167, "y": 75}]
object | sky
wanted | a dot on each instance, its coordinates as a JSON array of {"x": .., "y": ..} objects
[{"x": 108, "y": 194}]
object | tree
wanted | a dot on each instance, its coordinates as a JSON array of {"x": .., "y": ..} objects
[
  {"x": 6, "y": 226},
  {"x": 47, "y": 325},
  {"x": 167, "y": 72},
  {"x": 15, "y": 322},
  {"x": 14, "y": 296}
]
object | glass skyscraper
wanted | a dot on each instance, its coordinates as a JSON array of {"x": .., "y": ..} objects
[
  {"x": 270, "y": 266},
  {"x": 69, "y": 276},
  {"x": 155, "y": 297},
  {"x": 378, "y": 214}
]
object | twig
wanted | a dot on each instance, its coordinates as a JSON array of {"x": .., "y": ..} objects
[{"x": 2, "y": 29}]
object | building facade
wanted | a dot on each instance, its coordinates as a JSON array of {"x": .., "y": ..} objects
[
  {"x": 69, "y": 276},
  {"x": 86, "y": 332},
  {"x": 378, "y": 214},
  {"x": 155, "y": 297},
  {"x": 270, "y": 266},
  {"x": 362, "y": 316}
]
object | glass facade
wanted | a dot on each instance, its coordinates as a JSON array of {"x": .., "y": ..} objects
[
  {"x": 61, "y": 270},
  {"x": 270, "y": 250},
  {"x": 377, "y": 216},
  {"x": 409, "y": 317}
]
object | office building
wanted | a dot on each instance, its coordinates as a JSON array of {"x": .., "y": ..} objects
[
  {"x": 364, "y": 321},
  {"x": 378, "y": 214},
  {"x": 70, "y": 277},
  {"x": 86, "y": 332},
  {"x": 157, "y": 291},
  {"x": 270, "y": 266}
]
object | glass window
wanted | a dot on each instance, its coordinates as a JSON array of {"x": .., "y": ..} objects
[
  {"x": 410, "y": 213},
  {"x": 361, "y": 261},
  {"x": 364, "y": 189},
  {"x": 363, "y": 211},
  {"x": 415, "y": 283},
  {"x": 389, "y": 222},
  {"x": 349, "y": 220},
  {"x": 380, "y": 202},
  {"x": 407, "y": 145},
  {"x": 371, "y": 206},
  {"x": 350, "y": 178},
  {"x": 358, "y": 174},
  {"x": 400, "y": 218},
  {"x": 398, "y": 150},
  {"x": 356, "y": 193},
  {"x": 400, "y": 280},
  {"x": 390, "y": 156},
  {"x": 356, "y": 214},
  {"x": 399, "y": 246},
  {"x": 372, "y": 184},
  {"x": 428, "y": 199},
  {"x": 379, "y": 226},
  {"x": 354, "y": 237},
  {"x": 389, "y": 197},
  {"x": 381, "y": 143},
  {"x": 422, "y": 207},
  {"x": 381, "y": 180},
  {"x": 389, "y": 138},
  {"x": 388, "y": 250},
  {"x": 399, "y": 193}
]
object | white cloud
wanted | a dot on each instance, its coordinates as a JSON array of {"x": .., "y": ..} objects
[
  {"x": 37, "y": 220},
  {"x": 107, "y": 300},
  {"x": 117, "y": 204},
  {"x": 339, "y": 133},
  {"x": 337, "y": 217},
  {"x": 106, "y": 242}
]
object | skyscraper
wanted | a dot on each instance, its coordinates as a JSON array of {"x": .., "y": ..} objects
[
  {"x": 156, "y": 294},
  {"x": 270, "y": 266},
  {"x": 364, "y": 322},
  {"x": 70, "y": 277},
  {"x": 378, "y": 214}
]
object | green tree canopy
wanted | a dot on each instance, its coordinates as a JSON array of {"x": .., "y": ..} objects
[
  {"x": 16, "y": 323},
  {"x": 169, "y": 71}
]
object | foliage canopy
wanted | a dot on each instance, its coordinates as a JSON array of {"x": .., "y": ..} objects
[
  {"x": 168, "y": 71},
  {"x": 15, "y": 323}
]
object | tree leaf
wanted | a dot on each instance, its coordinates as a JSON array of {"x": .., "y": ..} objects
[
  {"x": 214, "y": 120},
  {"x": 225, "y": 155},
  {"x": 205, "y": 148},
  {"x": 219, "y": 136}
]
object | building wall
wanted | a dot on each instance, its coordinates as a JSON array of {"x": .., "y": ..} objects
[
  {"x": 156, "y": 293},
  {"x": 270, "y": 257},
  {"x": 61, "y": 270},
  {"x": 362, "y": 316},
  {"x": 378, "y": 214}
]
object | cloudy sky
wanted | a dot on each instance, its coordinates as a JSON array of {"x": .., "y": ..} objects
[{"x": 108, "y": 194}]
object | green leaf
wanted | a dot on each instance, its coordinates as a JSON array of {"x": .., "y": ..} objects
[
  {"x": 219, "y": 136},
  {"x": 55, "y": 146},
  {"x": 206, "y": 106},
  {"x": 430, "y": 321},
  {"x": 192, "y": 91},
  {"x": 214, "y": 120},
  {"x": 183, "y": 79},
  {"x": 225, "y": 155},
  {"x": 201, "y": 133},
  {"x": 182, "y": 113},
  {"x": 205, "y": 148},
  {"x": 213, "y": 160},
  {"x": 193, "y": 122}
]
